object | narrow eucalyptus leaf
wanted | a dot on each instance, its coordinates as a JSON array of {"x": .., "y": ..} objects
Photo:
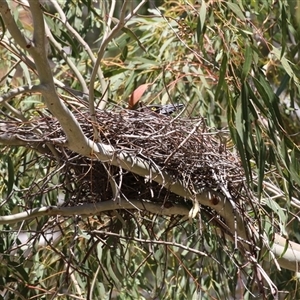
[
  {"x": 247, "y": 63},
  {"x": 223, "y": 70},
  {"x": 236, "y": 10}
]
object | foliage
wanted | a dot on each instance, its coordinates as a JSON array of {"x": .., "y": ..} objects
[{"x": 236, "y": 65}]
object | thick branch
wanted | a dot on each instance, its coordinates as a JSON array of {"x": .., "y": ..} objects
[
  {"x": 94, "y": 208},
  {"x": 291, "y": 258}
]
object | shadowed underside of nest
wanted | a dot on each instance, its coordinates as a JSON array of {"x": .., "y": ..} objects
[{"x": 184, "y": 148}]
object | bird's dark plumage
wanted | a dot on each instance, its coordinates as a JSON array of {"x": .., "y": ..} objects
[{"x": 166, "y": 109}]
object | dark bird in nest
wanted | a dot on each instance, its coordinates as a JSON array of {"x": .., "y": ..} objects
[
  {"x": 167, "y": 109},
  {"x": 134, "y": 103}
]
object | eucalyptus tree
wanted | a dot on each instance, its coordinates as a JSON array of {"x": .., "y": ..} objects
[{"x": 104, "y": 194}]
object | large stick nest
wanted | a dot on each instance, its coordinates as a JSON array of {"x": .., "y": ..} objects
[{"x": 184, "y": 148}]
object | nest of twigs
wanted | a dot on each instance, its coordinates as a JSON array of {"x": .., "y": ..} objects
[{"x": 184, "y": 148}]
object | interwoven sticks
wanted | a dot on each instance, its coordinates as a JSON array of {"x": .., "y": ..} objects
[
  {"x": 182, "y": 147},
  {"x": 185, "y": 148}
]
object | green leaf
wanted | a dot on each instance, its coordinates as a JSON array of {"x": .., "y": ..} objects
[
  {"x": 295, "y": 175},
  {"x": 244, "y": 157},
  {"x": 11, "y": 175},
  {"x": 283, "y": 84},
  {"x": 279, "y": 211},
  {"x": 247, "y": 63},
  {"x": 284, "y": 30},
  {"x": 20, "y": 269},
  {"x": 257, "y": 103},
  {"x": 286, "y": 64},
  {"x": 202, "y": 15},
  {"x": 270, "y": 99},
  {"x": 236, "y": 10},
  {"x": 261, "y": 163},
  {"x": 124, "y": 53},
  {"x": 134, "y": 37},
  {"x": 3, "y": 28},
  {"x": 223, "y": 70},
  {"x": 72, "y": 43},
  {"x": 286, "y": 246},
  {"x": 245, "y": 110}
]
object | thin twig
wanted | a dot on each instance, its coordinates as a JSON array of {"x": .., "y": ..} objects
[{"x": 152, "y": 241}]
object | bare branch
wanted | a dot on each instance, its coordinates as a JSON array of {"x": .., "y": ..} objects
[
  {"x": 106, "y": 39},
  {"x": 94, "y": 208},
  {"x": 151, "y": 242},
  {"x": 67, "y": 59},
  {"x": 79, "y": 39},
  {"x": 20, "y": 90},
  {"x": 291, "y": 258},
  {"x": 105, "y": 42}
]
